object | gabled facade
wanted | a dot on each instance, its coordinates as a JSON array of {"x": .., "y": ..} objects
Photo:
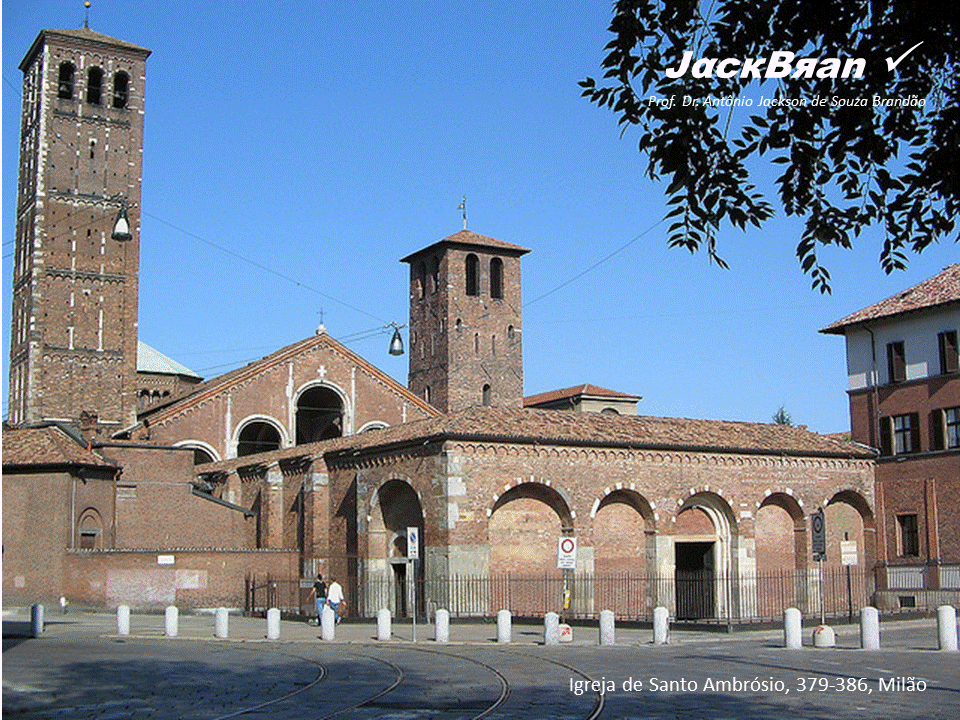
[{"x": 904, "y": 389}]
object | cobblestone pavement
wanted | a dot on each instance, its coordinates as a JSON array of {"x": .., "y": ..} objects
[{"x": 80, "y": 668}]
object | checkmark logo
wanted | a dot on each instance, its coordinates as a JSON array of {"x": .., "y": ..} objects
[{"x": 892, "y": 64}]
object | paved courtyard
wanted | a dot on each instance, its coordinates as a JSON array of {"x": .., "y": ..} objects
[{"x": 81, "y": 668}]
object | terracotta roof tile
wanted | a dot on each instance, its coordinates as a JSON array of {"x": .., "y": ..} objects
[
  {"x": 46, "y": 445},
  {"x": 942, "y": 289},
  {"x": 576, "y": 390}
]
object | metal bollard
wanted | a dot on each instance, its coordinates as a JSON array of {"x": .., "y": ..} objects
[
  {"x": 607, "y": 628},
  {"x": 36, "y": 620},
  {"x": 171, "y": 621},
  {"x": 383, "y": 625},
  {"x": 442, "y": 620},
  {"x": 869, "y": 628},
  {"x": 273, "y": 624},
  {"x": 123, "y": 620},
  {"x": 328, "y": 624},
  {"x": 792, "y": 629},
  {"x": 503, "y": 626},
  {"x": 947, "y": 628},
  {"x": 551, "y": 629},
  {"x": 222, "y": 623},
  {"x": 661, "y": 626}
]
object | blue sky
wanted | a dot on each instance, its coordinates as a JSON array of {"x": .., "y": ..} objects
[{"x": 324, "y": 141}]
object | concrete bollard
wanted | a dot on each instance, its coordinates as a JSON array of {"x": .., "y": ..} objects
[
  {"x": 171, "y": 621},
  {"x": 384, "y": 631},
  {"x": 328, "y": 624},
  {"x": 442, "y": 620},
  {"x": 869, "y": 628},
  {"x": 824, "y": 637},
  {"x": 607, "y": 628},
  {"x": 123, "y": 620},
  {"x": 661, "y": 626},
  {"x": 503, "y": 626},
  {"x": 792, "y": 629},
  {"x": 273, "y": 624},
  {"x": 222, "y": 623},
  {"x": 551, "y": 629},
  {"x": 947, "y": 628},
  {"x": 36, "y": 620}
]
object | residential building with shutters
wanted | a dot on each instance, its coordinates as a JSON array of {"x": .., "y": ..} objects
[{"x": 904, "y": 389}]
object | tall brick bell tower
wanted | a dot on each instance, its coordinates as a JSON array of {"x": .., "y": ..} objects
[
  {"x": 466, "y": 322},
  {"x": 73, "y": 341}
]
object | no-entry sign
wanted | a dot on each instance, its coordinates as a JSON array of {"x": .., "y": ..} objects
[{"x": 567, "y": 553}]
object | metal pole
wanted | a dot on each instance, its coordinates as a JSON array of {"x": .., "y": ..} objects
[
  {"x": 823, "y": 619},
  {"x": 414, "y": 594}
]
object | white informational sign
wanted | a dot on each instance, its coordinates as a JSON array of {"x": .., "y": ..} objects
[
  {"x": 166, "y": 559},
  {"x": 848, "y": 552},
  {"x": 413, "y": 543},
  {"x": 567, "y": 553}
]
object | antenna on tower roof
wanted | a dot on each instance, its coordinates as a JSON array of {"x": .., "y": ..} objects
[
  {"x": 86, "y": 14},
  {"x": 463, "y": 206}
]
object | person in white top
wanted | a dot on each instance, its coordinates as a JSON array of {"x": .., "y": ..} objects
[{"x": 335, "y": 597}]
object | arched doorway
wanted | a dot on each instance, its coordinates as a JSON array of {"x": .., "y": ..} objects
[
  {"x": 394, "y": 580},
  {"x": 704, "y": 578},
  {"x": 319, "y": 415}
]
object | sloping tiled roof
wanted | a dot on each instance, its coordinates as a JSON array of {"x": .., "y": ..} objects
[
  {"x": 560, "y": 427},
  {"x": 467, "y": 237},
  {"x": 576, "y": 391},
  {"x": 83, "y": 33},
  {"x": 46, "y": 445},
  {"x": 942, "y": 289},
  {"x": 154, "y": 361}
]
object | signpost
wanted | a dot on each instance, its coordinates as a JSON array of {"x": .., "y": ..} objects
[
  {"x": 566, "y": 561},
  {"x": 413, "y": 554},
  {"x": 848, "y": 557},
  {"x": 819, "y": 531}
]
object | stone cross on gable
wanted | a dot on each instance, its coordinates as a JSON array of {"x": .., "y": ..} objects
[{"x": 322, "y": 372}]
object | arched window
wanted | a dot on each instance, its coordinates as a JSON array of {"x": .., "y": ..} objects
[
  {"x": 473, "y": 275},
  {"x": 120, "y": 92},
  {"x": 65, "y": 81},
  {"x": 90, "y": 530},
  {"x": 486, "y": 395},
  {"x": 94, "y": 85},
  {"x": 258, "y": 437},
  {"x": 496, "y": 278},
  {"x": 201, "y": 456},
  {"x": 319, "y": 415},
  {"x": 426, "y": 393}
]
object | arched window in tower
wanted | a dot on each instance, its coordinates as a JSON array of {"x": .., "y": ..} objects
[
  {"x": 420, "y": 281},
  {"x": 65, "y": 81},
  {"x": 473, "y": 274},
  {"x": 257, "y": 437},
  {"x": 121, "y": 82},
  {"x": 434, "y": 274},
  {"x": 496, "y": 278},
  {"x": 94, "y": 85},
  {"x": 319, "y": 415},
  {"x": 486, "y": 395}
]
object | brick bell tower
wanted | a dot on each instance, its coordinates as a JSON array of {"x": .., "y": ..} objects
[
  {"x": 466, "y": 322},
  {"x": 73, "y": 341}
]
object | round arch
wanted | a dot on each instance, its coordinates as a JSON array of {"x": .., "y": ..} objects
[
  {"x": 259, "y": 433},
  {"x": 849, "y": 517},
  {"x": 198, "y": 447},
  {"x": 333, "y": 398},
  {"x": 780, "y": 533},
  {"x": 546, "y": 494},
  {"x": 90, "y": 530},
  {"x": 395, "y": 506}
]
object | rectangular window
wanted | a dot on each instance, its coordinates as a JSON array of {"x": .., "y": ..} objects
[
  {"x": 909, "y": 536},
  {"x": 906, "y": 433},
  {"x": 951, "y": 422},
  {"x": 896, "y": 362},
  {"x": 949, "y": 356}
]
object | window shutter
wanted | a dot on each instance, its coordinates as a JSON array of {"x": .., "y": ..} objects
[
  {"x": 886, "y": 436},
  {"x": 936, "y": 430},
  {"x": 915, "y": 432},
  {"x": 949, "y": 360}
]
